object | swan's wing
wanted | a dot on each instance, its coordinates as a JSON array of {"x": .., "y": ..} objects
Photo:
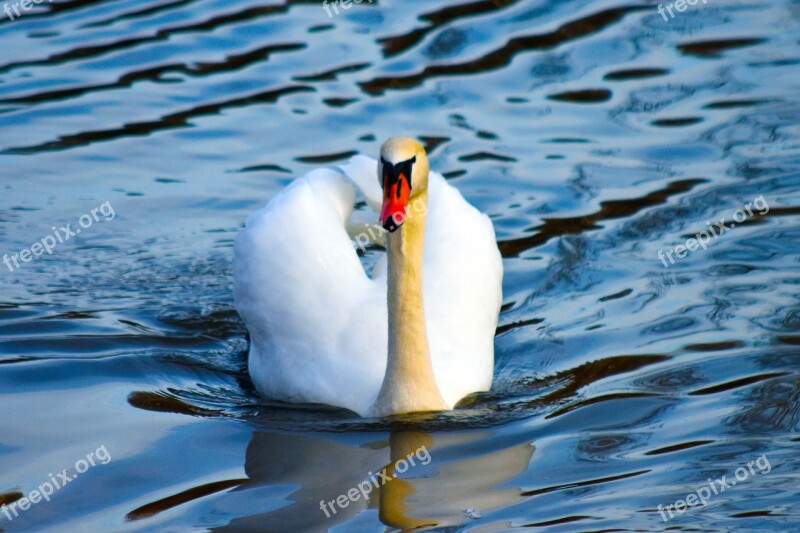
[
  {"x": 463, "y": 291},
  {"x": 363, "y": 224},
  {"x": 363, "y": 172},
  {"x": 315, "y": 321}
]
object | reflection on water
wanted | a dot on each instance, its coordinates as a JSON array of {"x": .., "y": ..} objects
[
  {"x": 595, "y": 135},
  {"x": 310, "y": 469}
]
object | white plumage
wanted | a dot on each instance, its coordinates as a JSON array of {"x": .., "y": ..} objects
[{"x": 318, "y": 324}]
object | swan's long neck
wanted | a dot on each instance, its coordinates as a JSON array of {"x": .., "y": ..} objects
[{"x": 409, "y": 384}]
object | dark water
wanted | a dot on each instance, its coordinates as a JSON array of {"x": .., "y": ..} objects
[{"x": 595, "y": 134}]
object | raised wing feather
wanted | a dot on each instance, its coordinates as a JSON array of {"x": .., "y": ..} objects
[{"x": 302, "y": 292}]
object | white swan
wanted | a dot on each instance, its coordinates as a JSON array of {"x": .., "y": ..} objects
[{"x": 322, "y": 330}]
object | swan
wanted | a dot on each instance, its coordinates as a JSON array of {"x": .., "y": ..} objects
[{"x": 415, "y": 335}]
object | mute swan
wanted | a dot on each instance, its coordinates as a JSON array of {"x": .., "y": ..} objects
[{"x": 418, "y": 335}]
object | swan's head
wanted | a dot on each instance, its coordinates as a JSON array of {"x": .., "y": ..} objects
[{"x": 403, "y": 173}]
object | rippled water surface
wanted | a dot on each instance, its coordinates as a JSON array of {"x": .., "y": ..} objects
[{"x": 595, "y": 134}]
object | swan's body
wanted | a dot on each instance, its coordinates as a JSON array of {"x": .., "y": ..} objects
[{"x": 319, "y": 326}]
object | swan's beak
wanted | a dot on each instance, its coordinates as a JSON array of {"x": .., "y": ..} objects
[{"x": 396, "y": 191}]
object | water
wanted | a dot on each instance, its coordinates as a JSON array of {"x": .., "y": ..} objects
[{"x": 594, "y": 134}]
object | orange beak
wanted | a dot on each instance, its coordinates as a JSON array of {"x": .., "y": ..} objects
[{"x": 396, "y": 191}]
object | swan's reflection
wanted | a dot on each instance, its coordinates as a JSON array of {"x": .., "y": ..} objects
[{"x": 321, "y": 477}]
